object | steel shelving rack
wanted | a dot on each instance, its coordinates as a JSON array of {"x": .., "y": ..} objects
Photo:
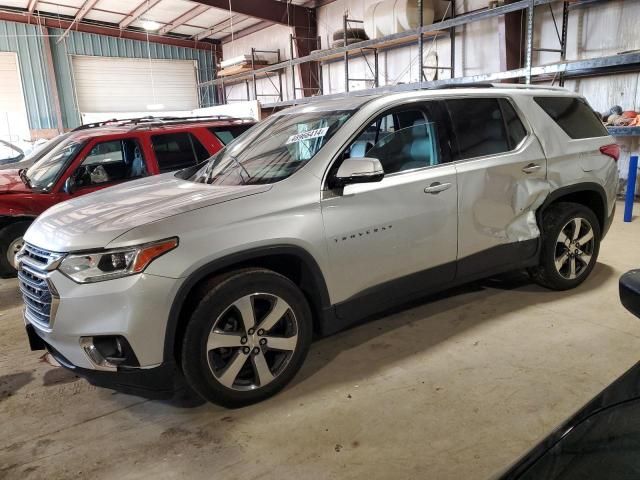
[{"x": 559, "y": 71}]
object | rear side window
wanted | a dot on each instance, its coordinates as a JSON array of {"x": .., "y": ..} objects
[
  {"x": 479, "y": 127},
  {"x": 574, "y": 116},
  {"x": 177, "y": 150},
  {"x": 228, "y": 134}
]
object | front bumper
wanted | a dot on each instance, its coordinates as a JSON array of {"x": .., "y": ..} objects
[
  {"x": 135, "y": 307},
  {"x": 159, "y": 382}
]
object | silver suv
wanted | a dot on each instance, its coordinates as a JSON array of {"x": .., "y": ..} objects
[{"x": 311, "y": 221}]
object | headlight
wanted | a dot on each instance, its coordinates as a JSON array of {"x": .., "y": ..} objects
[{"x": 109, "y": 264}]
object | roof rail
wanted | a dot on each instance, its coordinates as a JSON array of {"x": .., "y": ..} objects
[
  {"x": 462, "y": 85},
  {"x": 524, "y": 86},
  {"x": 165, "y": 121},
  {"x": 158, "y": 121}
]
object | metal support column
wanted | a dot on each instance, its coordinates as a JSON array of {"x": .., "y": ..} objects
[
  {"x": 563, "y": 41},
  {"x": 529, "y": 53},
  {"x": 293, "y": 68},
  {"x": 346, "y": 53},
  {"x": 280, "y": 78},
  {"x": 420, "y": 45},
  {"x": 452, "y": 38}
]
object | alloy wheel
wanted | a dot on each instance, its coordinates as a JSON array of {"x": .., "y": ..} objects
[
  {"x": 574, "y": 248},
  {"x": 252, "y": 341}
]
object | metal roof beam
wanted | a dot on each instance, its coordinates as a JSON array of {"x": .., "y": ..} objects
[
  {"x": 217, "y": 28},
  {"x": 283, "y": 13},
  {"x": 80, "y": 14},
  {"x": 56, "y": 22},
  {"x": 137, "y": 12},
  {"x": 31, "y": 7},
  {"x": 184, "y": 18}
]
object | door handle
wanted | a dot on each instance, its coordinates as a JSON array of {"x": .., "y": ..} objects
[
  {"x": 532, "y": 167},
  {"x": 437, "y": 187}
]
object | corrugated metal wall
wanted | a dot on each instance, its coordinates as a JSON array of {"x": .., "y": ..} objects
[
  {"x": 80, "y": 43},
  {"x": 27, "y": 41}
]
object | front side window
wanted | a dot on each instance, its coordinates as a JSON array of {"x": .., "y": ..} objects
[
  {"x": 401, "y": 141},
  {"x": 177, "y": 150},
  {"x": 478, "y": 126},
  {"x": 111, "y": 162},
  {"x": 275, "y": 149}
]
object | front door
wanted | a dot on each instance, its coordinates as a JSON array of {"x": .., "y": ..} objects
[{"x": 389, "y": 239}]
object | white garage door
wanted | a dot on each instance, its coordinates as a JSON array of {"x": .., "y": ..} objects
[
  {"x": 14, "y": 124},
  {"x": 107, "y": 84}
]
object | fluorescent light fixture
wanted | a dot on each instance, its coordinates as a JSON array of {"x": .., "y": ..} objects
[
  {"x": 155, "y": 106},
  {"x": 150, "y": 25}
]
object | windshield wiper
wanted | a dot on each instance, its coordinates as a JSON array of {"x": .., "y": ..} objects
[
  {"x": 237, "y": 162},
  {"x": 23, "y": 176}
]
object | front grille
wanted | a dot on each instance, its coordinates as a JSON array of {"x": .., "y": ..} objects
[
  {"x": 39, "y": 299},
  {"x": 36, "y": 295}
]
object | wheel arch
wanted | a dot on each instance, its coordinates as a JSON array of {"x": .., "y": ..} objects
[
  {"x": 293, "y": 262},
  {"x": 6, "y": 220},
  {"x": 591, "y": 195}
]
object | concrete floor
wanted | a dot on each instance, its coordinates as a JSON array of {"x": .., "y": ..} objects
[{"x": 456, "y": 387}]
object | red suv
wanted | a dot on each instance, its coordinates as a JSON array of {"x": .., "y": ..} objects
[{"x": 96, "y": 156}]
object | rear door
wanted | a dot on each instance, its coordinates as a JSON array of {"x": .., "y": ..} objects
[{"x": 501, "y": 172}]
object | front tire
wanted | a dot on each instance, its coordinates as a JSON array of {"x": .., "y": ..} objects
[
  {"x": 247, "y": 337},
  {"x": 10, "y": 243},
  {"x": 570, "y": 245}
]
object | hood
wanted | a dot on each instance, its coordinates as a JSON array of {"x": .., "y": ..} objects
[
  {"x": 10, "y": 182},
  {"x": 94, "y": 220}
]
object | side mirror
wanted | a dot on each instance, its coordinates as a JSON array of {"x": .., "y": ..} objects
[
  {"x": 70, "y": 185},
  {"x": 358, "y": 170}
]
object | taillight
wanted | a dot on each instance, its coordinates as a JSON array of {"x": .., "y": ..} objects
[{"x": 612, "y": 151}]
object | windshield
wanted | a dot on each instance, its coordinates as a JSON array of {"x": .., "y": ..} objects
[
  {"x": 44, "y": 173},
  {"x": 272, "y": 150}
]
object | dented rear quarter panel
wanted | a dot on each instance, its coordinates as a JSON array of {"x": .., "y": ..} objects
[{"x": 570, "y": 161}]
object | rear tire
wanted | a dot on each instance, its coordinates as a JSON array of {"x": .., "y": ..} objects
[
  {"x": 247, "y": 337},
  {"x": 10, "y": 242},
  {"x": 570, "y": 245}
]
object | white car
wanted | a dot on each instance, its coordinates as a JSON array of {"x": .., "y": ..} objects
[{"x": 310, "y": 221}]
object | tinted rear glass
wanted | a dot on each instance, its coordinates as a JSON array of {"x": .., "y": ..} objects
[
  {"x": 227, "y": 134},
  {"x": 574, "y": 116}
]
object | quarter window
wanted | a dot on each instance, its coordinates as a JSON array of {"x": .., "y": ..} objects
[
  {"x": 402, "y": 141},
  {"x": 574, "y": 116},
  {"x": 177, "y": 150},
  {"x": 228, "y": 134},
  {"x": 110, "y": 162}
]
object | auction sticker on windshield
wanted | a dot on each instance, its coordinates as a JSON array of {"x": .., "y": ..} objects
[{"x": 298, "y": 137}]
